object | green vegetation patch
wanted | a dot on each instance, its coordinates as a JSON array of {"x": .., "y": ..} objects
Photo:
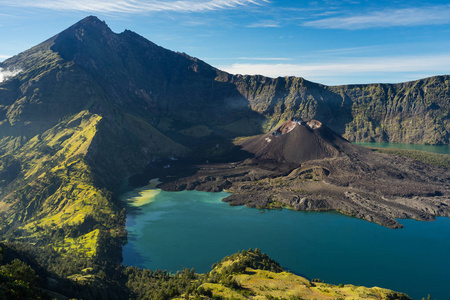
[
  {"x": 243, "y": 275},
  {"x": 435, "y": 159},
  {"x": 51, "y": 193},
  {"x": 18, "y": 281}
]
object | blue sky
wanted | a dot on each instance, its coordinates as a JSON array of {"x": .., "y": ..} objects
[{"x": 326, "y": 41}]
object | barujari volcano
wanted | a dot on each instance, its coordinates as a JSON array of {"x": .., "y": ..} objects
[
  {"x": 83, "y": 111},
  {"x": 296, "y": 142}
]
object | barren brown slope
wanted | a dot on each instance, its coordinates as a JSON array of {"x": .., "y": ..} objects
[{"x": 297, "y": 142}]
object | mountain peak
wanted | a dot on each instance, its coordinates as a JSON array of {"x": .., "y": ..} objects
[
  {"x": 88, "y": 25},
  {"x": 90, "y": 19},
  {"x": 90, "y": 22},
  {"x": 87, "y": 37}
]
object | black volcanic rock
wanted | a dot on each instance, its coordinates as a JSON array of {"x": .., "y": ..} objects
[{"x": 297, "y": 142}]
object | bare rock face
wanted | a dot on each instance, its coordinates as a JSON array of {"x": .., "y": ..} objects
[
  {"x": 307, "y": 166},
  {"x": 314, "y": 124}
]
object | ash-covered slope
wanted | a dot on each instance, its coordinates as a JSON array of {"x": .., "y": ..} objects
[{"x": 297, "y": 141}]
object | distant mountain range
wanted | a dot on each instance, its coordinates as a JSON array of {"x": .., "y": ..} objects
[{"x": 86, "y": 109}]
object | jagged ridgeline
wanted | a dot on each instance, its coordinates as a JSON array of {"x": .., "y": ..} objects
[
  {"x": 88, "y": 108},
  {"x": 411, "y": 112}
]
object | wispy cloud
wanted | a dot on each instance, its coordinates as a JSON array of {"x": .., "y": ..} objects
[
  {"x": 264, "y": 58},
  {"x": 132, "y": 6},
  {"x": 3, "y": 56},
  {"x": 386, "y": 18},
  {"x": 265, "y": 24},
  {"x": 350, "y": 50},
  {"x": 363, "y": 67},
  {"x": 5, "y": 74},
  {"x": 251, "y": 58},
  {"x": 326, "y": 13}
]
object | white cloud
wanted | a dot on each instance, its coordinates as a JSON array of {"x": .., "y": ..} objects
[
  {"x": 387, "y": 18},
  {"x": 350, "y": 50},
  {"x": 264, "y": 58},
  {"x": 359, "y": 70},
  {"x": 2, "y": 56},
  {"x": 265, "y": 24},
  {"x": 5, "y": 74},
  {"x": 249, "y": 58},
  {"x": 132, "y": 6}
]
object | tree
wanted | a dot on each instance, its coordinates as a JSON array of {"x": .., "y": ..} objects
[{"x": 20, "y": 271}]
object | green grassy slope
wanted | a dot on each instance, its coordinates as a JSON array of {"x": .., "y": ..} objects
[
  {"x": 54, "y": 190},
  {"x": 435, "y": 159},
  {"x": 244, "y": 275},
  {"x": 65, "y": 145}
]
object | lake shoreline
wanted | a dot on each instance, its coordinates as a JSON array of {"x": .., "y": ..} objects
[{"x": 196, "y": 229}]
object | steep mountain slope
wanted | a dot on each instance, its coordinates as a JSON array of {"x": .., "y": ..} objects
[
  {"x": 64, "y": 145},
  {"x": 140, "y": 76}
]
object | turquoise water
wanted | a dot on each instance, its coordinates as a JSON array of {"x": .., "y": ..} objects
[
  {"x": 195, "y": 229},
  {"x": 442, "y": 149}
]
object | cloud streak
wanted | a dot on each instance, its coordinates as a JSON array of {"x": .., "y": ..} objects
[
  {"x": 250, "y": 58},
  {"x": 265, "y": 24},
  {"x": 6, "y": 74},
  {"x": 358, "y": 68},
  {"x": 351, "y": 50},
  {"x": 386, "y": 18},
  {"x": 132, "y": 6},
  {"x": 264, "y": 58}
]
